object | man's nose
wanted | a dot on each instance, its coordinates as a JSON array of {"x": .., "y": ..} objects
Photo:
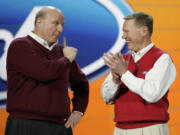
[
  {"x": 123, "y": 36},
  {"x": 60, "y": 28}
]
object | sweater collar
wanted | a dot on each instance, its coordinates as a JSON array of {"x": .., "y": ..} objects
[
  {"x": 138, "y": 55},
  {"x": 42, "y": 41}
]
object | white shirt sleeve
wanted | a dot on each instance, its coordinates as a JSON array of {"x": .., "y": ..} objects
[
  {"x": 109, "y": 89},
  {"x": 157, "y": 81}
]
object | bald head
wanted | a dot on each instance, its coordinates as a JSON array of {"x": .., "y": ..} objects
[
  {"x": 49, "y": 23},
  {"x": 43, "y": 12}
]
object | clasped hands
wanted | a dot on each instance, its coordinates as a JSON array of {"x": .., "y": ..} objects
[{"x": 117, "y": 65}]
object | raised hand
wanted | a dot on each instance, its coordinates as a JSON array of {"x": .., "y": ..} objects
[
  {"x": 64, "y": 42},
  {"x": 69, "y": 52}
]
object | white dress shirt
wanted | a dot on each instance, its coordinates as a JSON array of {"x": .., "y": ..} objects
[
  {"x": 42, "y": 41},
  {"x": 156, "y": 83}
]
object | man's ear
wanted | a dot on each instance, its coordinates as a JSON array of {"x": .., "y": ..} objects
[
  {"x": 38, "y": 20},
  {"x": 144, "y": 30}
]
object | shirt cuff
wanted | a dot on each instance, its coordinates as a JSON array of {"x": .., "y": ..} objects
[{"x": 80, "y": 112}]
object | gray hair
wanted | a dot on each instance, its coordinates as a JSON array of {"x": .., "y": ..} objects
[{"x": 142, "y": 19}]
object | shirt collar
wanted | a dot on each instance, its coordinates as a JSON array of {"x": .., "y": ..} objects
[
  {"x": 138, "y": 55},
  {"x": 42, "y": 41}
]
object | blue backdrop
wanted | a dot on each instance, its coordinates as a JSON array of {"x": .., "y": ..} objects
[{"x": 91, "y": 26}]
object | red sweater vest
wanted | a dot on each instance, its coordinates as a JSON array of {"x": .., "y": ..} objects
[{"x": 132, "y": 111}]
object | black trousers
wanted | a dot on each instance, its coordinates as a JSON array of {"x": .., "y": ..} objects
[{"x": 35, "y": 127}]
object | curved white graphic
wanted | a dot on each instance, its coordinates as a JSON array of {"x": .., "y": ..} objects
[
  {"x": 29, "y": 26},
  {"x": 116, "y": 12},
  {"x": 7, "y": 37}
]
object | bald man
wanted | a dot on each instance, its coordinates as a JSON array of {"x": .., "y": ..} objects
[{"x": 39, "y": 72}]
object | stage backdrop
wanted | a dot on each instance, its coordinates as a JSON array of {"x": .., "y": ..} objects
[{"x": 94, "y": 27}]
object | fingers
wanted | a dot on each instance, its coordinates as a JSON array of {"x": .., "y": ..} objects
[
  {"x": 122, "y": 59},
  {"x": 108, "y": 63},
  {"x": 114, "y": 56},
  {"x": 74, "y": 126},
  {"x": 68, "y": 123},
  {"x": 116, "y": 63},
  {"x": 110, "y": 58},
  {"x": 64, "y": 42},
  {"x": 73, "y": 120}
]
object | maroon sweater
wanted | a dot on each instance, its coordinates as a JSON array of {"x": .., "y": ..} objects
[
  {"x": 132, "y": 111},
  {"x": 38, "y": 82}
]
